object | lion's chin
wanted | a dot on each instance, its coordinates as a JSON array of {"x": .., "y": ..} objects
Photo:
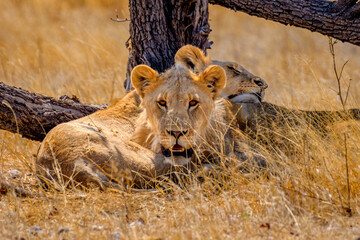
[
  {"x": 177, "y": 161},
  {"x": 247, "y": 97}
]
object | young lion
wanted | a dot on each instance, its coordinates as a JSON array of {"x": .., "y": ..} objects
[{"x": 174, "y": 118}]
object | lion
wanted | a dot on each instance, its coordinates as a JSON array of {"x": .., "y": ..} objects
[
  {"x": 171, "y": 119},
  {"x": 241, "y": 85},
  {"x": 257, "y": 119}
]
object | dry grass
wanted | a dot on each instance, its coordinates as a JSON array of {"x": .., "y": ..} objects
[{"x": 71, "y": 47}]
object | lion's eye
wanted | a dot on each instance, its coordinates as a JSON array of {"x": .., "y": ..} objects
[
  {"x": 162, "y": 103},
  {"x": 234, "y": 70},
  {"x": 193, "y": 103}
]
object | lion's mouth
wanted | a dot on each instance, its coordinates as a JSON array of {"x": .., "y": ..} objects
[
  {"x": 259, "y": 95},
  {"x": 254, "y": 97},
  {"x": 177, "y": 150}
]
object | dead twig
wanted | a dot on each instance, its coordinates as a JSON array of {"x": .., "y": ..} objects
[
  {"x": 117, "y": 18},
  {"x": 343, "y": 100}
]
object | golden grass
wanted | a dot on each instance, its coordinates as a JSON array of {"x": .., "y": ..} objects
[{"x": 71, "y": 47}]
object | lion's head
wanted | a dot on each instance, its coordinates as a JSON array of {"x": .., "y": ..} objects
[
  {"x": 241, "y": 85},
  {"x": 178, "y": 105}
]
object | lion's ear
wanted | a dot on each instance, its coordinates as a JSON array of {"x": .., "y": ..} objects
[
  {"x": 192, "y": 57},
  {"x": 214, "y": 78},
  {"x": 141, "y": 77}
]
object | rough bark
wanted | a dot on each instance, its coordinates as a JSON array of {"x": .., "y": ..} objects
[
  {"x": 158, "y": 28},
  {"x": 342, "y": 5},
  {"x": 336, "y": 19},
  {"x": 33, "y": 115}
]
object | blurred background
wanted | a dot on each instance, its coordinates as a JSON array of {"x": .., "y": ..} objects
[{"x": 72, "y": 47}]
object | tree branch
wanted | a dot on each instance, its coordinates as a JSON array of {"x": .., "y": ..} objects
[
  {"x": 335, "y": 19},
  {"x": 33, "y": 115},
  {"x": 354, "y": 11},
  {"x": 342, "y": 5}
]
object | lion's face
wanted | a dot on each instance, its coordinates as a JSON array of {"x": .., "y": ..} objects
[
  {"x": 178, "y": 105},
  {"x": 242, "y": 86}
]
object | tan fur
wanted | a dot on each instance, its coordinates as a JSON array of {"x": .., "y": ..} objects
[
  {"x": 178, "y": 87},
  {"x": 277, "y": 127},
  {"x": 96, "y": 149},
  {"x": 241, "y": 85},
  {"x": 262, "y": 121},
  {"x": 124, "y": 142}
]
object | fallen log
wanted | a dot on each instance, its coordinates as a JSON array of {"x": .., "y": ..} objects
[{"x": 32, "y": 115}]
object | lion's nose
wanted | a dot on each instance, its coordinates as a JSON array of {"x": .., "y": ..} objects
[
  {"x": 261, "y": 83},
  {"x": 176, "y": 134}
]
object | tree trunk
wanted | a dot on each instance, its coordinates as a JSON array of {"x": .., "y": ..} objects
[
  {"x": 158, "y": 28},
  {"x": 336, "y": 19},
  {"x": 33, "y": 115}
]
